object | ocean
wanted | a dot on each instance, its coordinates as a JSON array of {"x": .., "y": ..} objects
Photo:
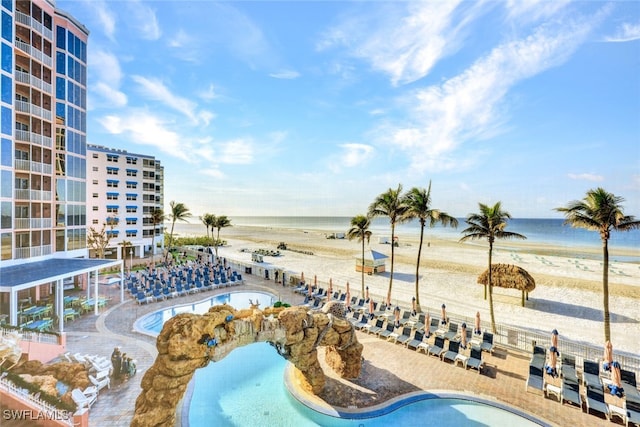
[{"x": 549, "y": 231}]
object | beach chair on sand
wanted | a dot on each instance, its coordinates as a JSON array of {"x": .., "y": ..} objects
[
  {"x": 568, "y": 368},
  {"x": 386, "y": 333},
  {"x": 452, "y": 352},
  {"x": 416, "y": 341},
  {"x": 438, "y": 347},
  {"x": 405, "y": 336},
  {"x": 82, "y": 400},
  {"x": 433, "y": 326},
  {"x": 487, "y": 342},
  {"x": 377, "y": 327},
  {"x": 595, "y": 402},
  {"x": 633, "y": 412},
  {"x": 535, "y": 380},
  {"x": 355, "y": 318},
  {"x": 539, "y": 357},
  {"x": 406, "y": 316},
  {"x": 630, "y": 385},
  {"x": 452, "y": 332},
  {"x": 571, "y": 393},
  {"x": 475, "y": 360},
  {"x": 591, "y": 374},
  {"x": 362, "y": 323}
]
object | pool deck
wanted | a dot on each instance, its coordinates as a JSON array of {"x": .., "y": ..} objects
[{"x": 387, "y": 369}]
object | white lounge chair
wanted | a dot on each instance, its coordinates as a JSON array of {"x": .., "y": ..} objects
[
  {"x": 83, "y": 400},
  {"x": 102, "y": 383}
]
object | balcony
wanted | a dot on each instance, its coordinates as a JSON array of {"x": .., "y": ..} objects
[
  {"x": 27, "y": 21},
  {"x": 26, "y": 107},
  {"x": 35, "y": 138},
  {"x": 37, "y": 167},
  {"x": 28, "y": 79},
  {"x": 32, "y": 195},
  {"x": 30, "y": 223},
  {"x": 21, "y": 253},
  {"x": 34, "y": 53}
]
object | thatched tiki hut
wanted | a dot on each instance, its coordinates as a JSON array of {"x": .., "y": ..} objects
[{"x": 510, "y": 277}]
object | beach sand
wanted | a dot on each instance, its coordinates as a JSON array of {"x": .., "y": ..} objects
[{"x": 568, "y": 294}]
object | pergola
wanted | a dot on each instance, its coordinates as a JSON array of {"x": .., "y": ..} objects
[
  {"x": 509, "y": 276},
  {"x": 16, "y": 278}
]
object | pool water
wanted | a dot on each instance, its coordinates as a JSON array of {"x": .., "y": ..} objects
[
  {"x": 151, "y": 324},
  {"x": 247, "y": 389}
]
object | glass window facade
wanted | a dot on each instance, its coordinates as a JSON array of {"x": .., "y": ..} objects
[
  {"x": 7, "y": 89},
  {"x": 60, "y": 63},
  {"x": 7, "y": 4},
  {"x": 5, "y": 183},
  {"x": 5, "y": 246},
  {"x": 7, "y": 121},
  {"x": 61, "y": 37},
  {"x": 6, "y": 212},
  {"x": 6, "y": 152},
  {"x": 7, "y": 58},
  {"x": 7, "y": 26}
]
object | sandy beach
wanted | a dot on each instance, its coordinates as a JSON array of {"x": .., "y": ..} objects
[{"x": 567, "y": 297}]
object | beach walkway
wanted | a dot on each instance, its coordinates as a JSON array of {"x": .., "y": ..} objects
[{"x": 389, "y": 369}]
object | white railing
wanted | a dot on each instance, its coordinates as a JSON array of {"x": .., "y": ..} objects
[
  {"x": 40, "y": 222},
  {"x": 23, "y": 165},
  {"x": 35, "y": 138},
  {"x": 22, "y": 223},
  {"x": 22, "y": 253},
  {"x": 46, "y": 141},
  {"x": 46, "y": 410},
  {"x": 33, "y": 336},
  {"x": 23, "y": 106},
  {"x": 23, "y": 135},
  {"x": 32, "y": 195},
  {"x": 26, "y": 78},
  {"x": 21, "y": 194},
  {"x": 23, "y": 46},
  {"x": 22, "y": 77},
  {"x": 23, "y": 18}
]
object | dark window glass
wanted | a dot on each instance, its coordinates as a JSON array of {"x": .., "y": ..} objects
[
  {"x": 60, "y": 111},
  {"x": 5, "y": 214},
  {"x": 7, "y": 58},
  {"x": 7, "y": 26},
  {"x": 7, "y": 89},
  {"x": 60, "y": 63},
  {"x": 8, "y": 4},
  {"x": 61, "y": 37},
  {"x": 69, "y": 41},
  {"x": 60, "y": 87}
]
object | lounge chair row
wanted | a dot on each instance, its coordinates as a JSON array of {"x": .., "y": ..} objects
[{"x": 160, "y": 294}]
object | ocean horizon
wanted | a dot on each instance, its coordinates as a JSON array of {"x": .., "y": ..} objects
[{"x": 550, "y": 231}]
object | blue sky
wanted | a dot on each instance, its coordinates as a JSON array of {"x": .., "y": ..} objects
[{"x": 314, "y": 108}]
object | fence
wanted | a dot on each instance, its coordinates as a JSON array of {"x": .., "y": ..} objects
[
  {"x": 45, "y": 410},
  {"x": 33, "y": 336}
]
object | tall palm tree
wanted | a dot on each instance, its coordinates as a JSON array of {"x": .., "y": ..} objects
[
  {"x": 220, "y": 222},
  {"x": 208, "y": 220},
  {"x": 489, "y": 224},
  {"x": 179, "y": 212},
  {"x": 418, "y": 202},
  {"x": 389, "y": 204},
  {"x": 157, "y": 216},
  {"x": 600, "y": 211},
  {"x": 360, "y": 230}
]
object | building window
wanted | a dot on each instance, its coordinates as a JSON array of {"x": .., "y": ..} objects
[
  {"x": 95, "y": 208},
  {"x": 95, "y": 182},
  {"x": 132, "y": 172},
  {"x": 112, "y": 209},
  {"x": 112, "y": 171},
  {"x": 95, "y": 195},
  {"x": 131, "y": 233},
  {"x": 95, "y": 155},
  {"x": 132, "y": 221},
  {"x": 95, "y": 221},
  {"x": 112, "y": 158},
  {"x": 132, "y": 209},
  {"x": 132, "y": 197},
  {"x": 112, "y": 183},
  {"x": 95, "y": 169},
  {"x": 132, "y": 161},
  {"x": 112, "y": 196}
]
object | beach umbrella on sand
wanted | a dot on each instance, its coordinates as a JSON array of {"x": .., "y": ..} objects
[
  {"x": 463, "y": 335},
  {"x": 302, "y": 277},
  {"x": 510, "y": 277},
  {"x": 477, "y": 329},
  {"x": 396, "y": 313},
  {"x": 371, "y": 309},
  {"x": 413, "y": 306},
  {"x": 366, "y": 294},
  {"x": 388, "y": 300},
  {"x": 608, "y": 356},
  {"x": 348, "y": 298},
  {"x": 554, "y": 338},
  {"x": 616, "y": 380},
  {"x": 427, "y": 322},
  {"x": 443, "y": 314},
  {"x": 330, "y": 290},
  {"x": 553, "y": 361}
]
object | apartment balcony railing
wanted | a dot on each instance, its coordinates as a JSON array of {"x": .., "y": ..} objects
[
  {"x": 35, "y": 138},
  {"x": 30, "y": 22},
  {"x": 22, "y": 253},
  {"x": 27, "y": 107},
  {"x": 37, "y": 167},
  {"x": 28, "y": 79},
  {"x": 29, "y": 223},
  {"x": 32, "y": 195},
  {"x": 34, "y": 53}
]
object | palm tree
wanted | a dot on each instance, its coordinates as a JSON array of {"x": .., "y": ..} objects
[
  {"x": 389, "y": 204},
  {"x": 208, "y": 220},
  {"x": 179, "y": 212},
  {"x": 418, "y": 202},
  {"x": 157, "y": 217},
  {"x": 360, "y": 230},
  {"x": 489, "y": 224},
  {"x": 219, "y": 223},
  {"x": 600, "y": 211}
]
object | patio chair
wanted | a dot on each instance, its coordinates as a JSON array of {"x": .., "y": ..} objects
[
  {"x": 568, "y": 367},
  {"x": 355, "y": 318},
  {"x": 535, "y": 380},
  {"x": 595, "y": 402},
  {"x": 405, "y": 336},
  {"x": 100, "y": 384},
  {"x": 382, "y": 311},
  {"x": 438, "y": 347},
  {"x": 406, "y": 316},
  {"x": 629, "y": 384},
  {"x": 362, "y": 323},
  {"x": 475, "y": 360},
  {"x": 452, "y": 351},
  {"x": 487, "y": 342},
  {"x": 591, "y": 373},
  {"x": 419, "y": 325},
  {"x": 377, "y": 327},
  {"x": 141, "y": 298},
  {"x": 433, "y": 326},
  {"x": 571, "y": 392},
  {"x": 633, "y": 412},
  {"x": 386, "y": 333},
  {"x": 452, "y": 332},
  {"x": 418, "y": 336},
  {"x": 539, "y": 357},
  {"x": 83, "y": 400}
]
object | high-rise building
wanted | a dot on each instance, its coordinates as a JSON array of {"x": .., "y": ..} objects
[
  {"x": 43, "y": 82},
  {"x": 123, "y": 190}
]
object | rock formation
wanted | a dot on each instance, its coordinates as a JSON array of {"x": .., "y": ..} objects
[{"x": 190, "y": 341}]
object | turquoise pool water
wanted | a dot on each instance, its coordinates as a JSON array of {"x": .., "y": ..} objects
[
  {"x": 247, "y": 389},
  {"x": 151, "y": 324}
]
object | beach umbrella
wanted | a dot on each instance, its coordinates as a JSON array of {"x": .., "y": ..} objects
[
  {"x": 616, "y": 380},
  {"x": 510, "y": 277},
  {"x": 302, "y": 277},
  {"x": 554, "y": 338},
  {"x": 413, "y": 306},
  {"x": 348, "y": 298},
  {"x": 553, "y": 361},
  {"x": 315, "y": 279},
  {"x": 608, "y": 356},
  {"x": 477, "y": 330},
  {"x": 463, "y": 335},
  {"x": 388, "y": 300},
  {"x": 371, "y": 309},
  {"x": 347, "y": 287},
  {"x": 330, "y": 290},
  {"x": 366, "y": 294},
  {"x": 396, "y": 313},
  {"x": 443, "y": 314},
  {"x": 427, "y": 322}
]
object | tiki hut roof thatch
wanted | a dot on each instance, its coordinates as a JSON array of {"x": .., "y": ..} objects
[{"x": 508, "y": 276}]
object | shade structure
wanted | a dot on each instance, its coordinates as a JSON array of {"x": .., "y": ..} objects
[
  {"x": 607, "y": 360},
  {"x": 302, "y": 277},
  {"x": 616, "y": 380},
  {"x": 463, "y": 335},
  {"x": 443, "y": 314},
  {"x": 554, "y": 338},
  {"x": 348, "y": 290},
  {"x": 330, "y": 290},
  {"x": 374, "y": 262},
  {"x": 348, "y": 298},
  {"x": 366, "y": 294},
  {"x": 510, "y": 277},
  {"x": 477, "y": 329},
  {"x": 413, "y": 306}
]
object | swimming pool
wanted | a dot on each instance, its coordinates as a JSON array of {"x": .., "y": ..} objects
[
  {"x": 151, "y": 324},
  {"x": 247, "y": 389}
]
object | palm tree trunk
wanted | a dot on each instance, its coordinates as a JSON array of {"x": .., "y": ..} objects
[
  {"x": 418, "y": 308},
  {"x": 493, "y": 318},
  {"x": 362, "y": 266},
  {"x": 393, "y": 228},
  {"x": 217, "y": 242},
  {"x": 605, "y": 289},
  {"x": 173, "y": 223}
]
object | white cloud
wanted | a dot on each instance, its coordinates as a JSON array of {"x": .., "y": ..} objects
[
  {"x": 586, "y": 177},
  {"x": 144, "y": 19},
  {"x": 354, "y": 154},
  {"x": 180, "y": 39},
  {"x": 237, "y": 151},
  {"x": 141, "y": 127},
  {"x": 470, "y": 106},
  {"x": 212, "y": 172},
  {"x": 285, "y": 74},
  {"x": 209, "y": 93},
  {"x": 625, "y": 33},
  {"x": 404, "y": 45},
  {"x": 534, "y": 10},
  {"x": 156, "y": 90},
  {"x": 105, "y": 17},
  {"x": 107, "y": 76}
]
